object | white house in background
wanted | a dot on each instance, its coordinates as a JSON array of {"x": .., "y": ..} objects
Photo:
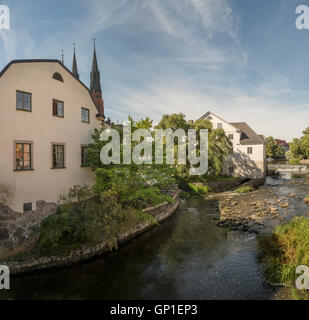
[
  {"x": 249, "y": 150},
  {"x": 47, "y": 118}
]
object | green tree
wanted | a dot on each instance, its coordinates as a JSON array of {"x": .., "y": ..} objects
[
  {"x": 219, "y": 146},
  {"x": 296, "y": 150},
  {"x": 173, "y": 121},
  {"x": 304, "y": 144},
  {"x": 300, "y": 147},
  {"x": 273, "y": 149},
  {"x": 137, "y": 186}
]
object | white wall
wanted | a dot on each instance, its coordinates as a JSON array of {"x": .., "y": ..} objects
[
  {"x": 41, "y": 127},
  {"x": 245, "y": 165},
  {"x": 228, "y": 129}
]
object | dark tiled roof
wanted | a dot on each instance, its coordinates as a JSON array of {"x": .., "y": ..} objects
[
  {"x": 282, "y": 143},
  {"x": 248, "y": 136},
  {"x": 52, "y": 61}
]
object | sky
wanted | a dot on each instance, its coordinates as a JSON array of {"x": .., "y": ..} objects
[{"x": 243, "y": 60}]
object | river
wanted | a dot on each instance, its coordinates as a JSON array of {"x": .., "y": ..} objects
[{"x": 186, "y": 257}]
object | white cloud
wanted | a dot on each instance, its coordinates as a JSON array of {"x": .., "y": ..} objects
[{"x": 265, "y": 115}]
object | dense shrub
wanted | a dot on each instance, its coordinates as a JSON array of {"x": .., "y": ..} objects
[
  {"x": 285, "y": 249},
  {"x": 134, "y": 189},
  {"x": 91, "y": 220}
]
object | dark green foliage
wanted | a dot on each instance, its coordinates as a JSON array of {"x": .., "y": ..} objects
[
  {"x": 273, "y": 150},
  {"x": 300, "y": 147}
]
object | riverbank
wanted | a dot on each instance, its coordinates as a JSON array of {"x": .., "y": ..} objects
[
  {"x": 25, "y": 262},
  {"x": 29, "y": 263},
  {"x": 187, "y": 257}
]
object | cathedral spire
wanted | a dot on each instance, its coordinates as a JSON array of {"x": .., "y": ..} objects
[
  {"x": 95, "y": 83},
  {"x": 74, "y": 66}
]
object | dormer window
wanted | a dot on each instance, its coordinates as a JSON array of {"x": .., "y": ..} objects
[
  {"x": 243, "y": 136},
  {"x": 57, "y": 76}
]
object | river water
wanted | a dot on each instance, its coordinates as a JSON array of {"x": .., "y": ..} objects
[{"x": 187, "y": 257}]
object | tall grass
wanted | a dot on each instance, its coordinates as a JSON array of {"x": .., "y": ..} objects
[{"x": 284, "y": 250}]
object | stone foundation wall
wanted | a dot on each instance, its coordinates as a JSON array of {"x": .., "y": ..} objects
[
  {"x": 160, "y": 212},
  {"x": 16, "y": 228}
]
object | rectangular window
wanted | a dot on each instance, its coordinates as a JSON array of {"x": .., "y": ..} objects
[
  {"x": 231, "y": 136},
  {"x": 85, "y": 115},
  {"x": 23, "y": 101},
  {"x": 58, "y": 156},
  {"x": 27, "y": 206},
  {"x": 231, "y": 170},
  {"x": 58, "y": 108},
  {"x": 23, "y": 156},
  {"x": 249, "y": 150},
  {"x": 84, "y": 156},
  {"x": 219, "y": 125}
]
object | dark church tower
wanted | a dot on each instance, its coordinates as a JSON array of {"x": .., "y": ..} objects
[
  {"x": 95, "y": 84},
  {"x": 74, "y": 66}
]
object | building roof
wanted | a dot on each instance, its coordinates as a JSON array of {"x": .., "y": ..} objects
[
  {"x": 248, "y": 135},
  {"x": 2, "y": 72},
  {"x": 207, "y": 114},
  {"x": 282, "y": 143}
]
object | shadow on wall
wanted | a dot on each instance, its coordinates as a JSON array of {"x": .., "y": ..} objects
[
  {"x": 6, "y": 193},
  {"x": 244, "y": 166}
]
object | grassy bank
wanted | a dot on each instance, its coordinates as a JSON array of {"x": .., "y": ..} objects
[{"x": 284, "y": 250}]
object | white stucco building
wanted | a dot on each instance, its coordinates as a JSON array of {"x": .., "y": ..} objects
[
  {"x": 249, "y": 150},
  {"x": 47, "y": 118}
]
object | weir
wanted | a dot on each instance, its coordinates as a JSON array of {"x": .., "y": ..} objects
[{"x": 288, "y": 168}]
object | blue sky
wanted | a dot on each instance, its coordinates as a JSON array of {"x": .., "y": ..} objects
[{"x": 242, "y": 59}]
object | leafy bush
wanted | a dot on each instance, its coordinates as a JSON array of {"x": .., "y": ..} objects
[
  {"x": 199, "y": 189},
  {"x": 134, "y": 189},
  {"x": 244, "y": 189},
  {"x": 92, "y": 220},
  {"x": 294, "y": 161},
  {"x": 285, "y": 249}
]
